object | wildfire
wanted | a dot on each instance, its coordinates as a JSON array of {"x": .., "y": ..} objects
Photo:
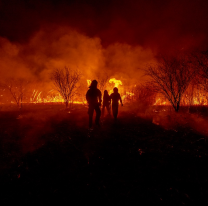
[
  {"x": 200, "y": 99},
  {"x": 160, "y": 101},
  {"x": 130, "y": 94},
  {"x": 35, "y": 96},
  {"x": 55, "y": 97},
  {"x": 88, "y": 82},
  {"x": 197, "y": 98},
  {"x": 116, "y": 82},
  {"x": 157, "y": 102}
]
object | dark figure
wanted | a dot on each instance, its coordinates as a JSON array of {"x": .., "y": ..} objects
[
  {"x": 93, "y": 97},
  {"x": 115, "y": 96},
  {"x": 106, "y": 102}
]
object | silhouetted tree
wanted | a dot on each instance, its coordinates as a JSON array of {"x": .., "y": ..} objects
[
  {"x": 171, "y": 77},
  {"x": 202, "y": 67},
  {"x": 17, "y": 88},
  {"x": 65, "y": 81}
]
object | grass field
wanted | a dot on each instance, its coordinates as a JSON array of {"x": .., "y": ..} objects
[{"x": 150, "y": 156}]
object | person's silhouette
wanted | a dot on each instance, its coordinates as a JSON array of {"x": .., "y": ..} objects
[
  {"x": 93, "y": 97},
  {"x": 106, "y": 103},
  {"x": 115, "y": 97}
]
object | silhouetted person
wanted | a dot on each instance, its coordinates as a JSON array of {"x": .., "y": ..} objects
[
  {"x": 115, "y": 97},
  {"x": 106, "y": 102},
  {"x": 93, "y": 97}
]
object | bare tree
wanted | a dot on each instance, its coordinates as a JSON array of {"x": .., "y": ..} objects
[
  {"x": 202, "y": 67},
  {"x": 65, "y": 81},
  {"x": 17, "y": 88},
  {"x": 171, "y": 77}
]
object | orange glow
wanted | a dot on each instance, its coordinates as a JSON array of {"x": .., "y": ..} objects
[
  {"x": 52, "y": 97},
  {"x": 88, "y": 82},
  {"x": 198, "y": 98},
  {"x": 116, "y": 82},
  {"x": 130, "y": 94},
  {"x": 35, "y": 96},
  {"x": 159, "y": 101}
]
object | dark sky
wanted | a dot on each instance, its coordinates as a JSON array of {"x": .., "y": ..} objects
[
  {"x": 159, "y": 24},
  {"x": 114, "y": 37}
]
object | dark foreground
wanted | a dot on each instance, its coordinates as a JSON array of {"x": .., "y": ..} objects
[{"x": 50, "y": 157}]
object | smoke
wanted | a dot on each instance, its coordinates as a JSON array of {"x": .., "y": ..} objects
[
  {"x": 11, "y": 63},
  {"x": 50, "y": 49},
  {"x": 63, "y": 47},
  {"x": 115, "y": 38},
  {"x": 128, "y": 61}
]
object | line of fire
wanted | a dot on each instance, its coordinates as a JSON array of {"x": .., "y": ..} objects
[{"x": 170, "y": 81}]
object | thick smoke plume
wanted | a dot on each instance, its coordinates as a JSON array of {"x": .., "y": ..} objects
[
  {"x": 46, "y": 51},
  {"x": 112, "y": 37}
]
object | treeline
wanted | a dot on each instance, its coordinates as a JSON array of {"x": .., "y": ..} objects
[{"x": 179, "y": 80}]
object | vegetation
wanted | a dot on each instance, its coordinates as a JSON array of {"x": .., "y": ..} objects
[
  {"x": 17, "y": 88},
  {"x": 65, "y": 81},
  {"x": 171, "y": 77}
]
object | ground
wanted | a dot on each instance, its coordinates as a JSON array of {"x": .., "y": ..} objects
[{"x": 151, "y": 156}]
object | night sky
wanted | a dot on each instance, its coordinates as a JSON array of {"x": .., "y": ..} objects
[{"x": 114, "y": 36}]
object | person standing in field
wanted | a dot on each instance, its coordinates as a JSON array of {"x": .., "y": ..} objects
[
  {"x": 93, "y": 97},
  {"x": 106, "y": 103},
  {"x": 115, "y": 97}
]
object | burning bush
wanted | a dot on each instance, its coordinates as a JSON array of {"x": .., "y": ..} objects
[
  {"x": 171, "y": 77},
  {"x": 65, "y": 81}
]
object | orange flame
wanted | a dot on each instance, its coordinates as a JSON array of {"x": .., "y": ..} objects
[
  {"x": 116, "y": 82},
  {"x": 88, "y": 82}
]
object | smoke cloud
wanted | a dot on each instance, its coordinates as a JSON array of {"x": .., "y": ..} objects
[
  {"x": 117, "y": 38},
  {"x": 47, "y": 51}
]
